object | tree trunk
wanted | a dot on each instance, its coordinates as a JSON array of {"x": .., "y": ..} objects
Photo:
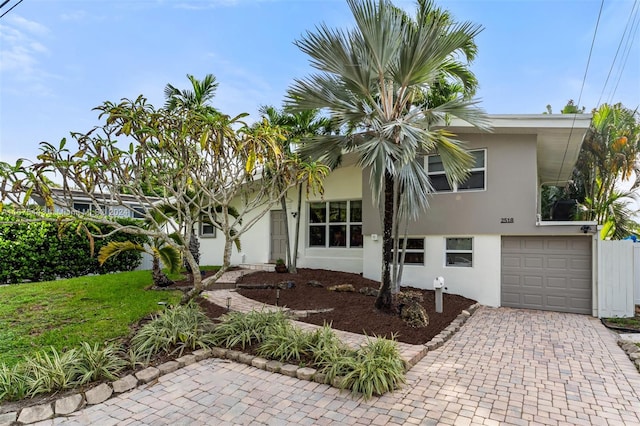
[
  {"x": 226, "y": 263},
  {"x": 159, "y": 277},
  {"x": 383, "y": 301},
  {"x": 294, "y": 258},
  {"x": 283, "y": 203},
  {"x": 194, "y": 249},
  {"x": 196, "y": 277}
]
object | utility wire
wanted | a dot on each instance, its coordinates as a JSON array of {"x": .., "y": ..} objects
[
  {"x": 624, "y": 33},
  {"x": 630, "y": 42},
  {"x": 3, "y": 3},
  {"x": 11, "y": 8},
  {"x": 584, "y": 79}
]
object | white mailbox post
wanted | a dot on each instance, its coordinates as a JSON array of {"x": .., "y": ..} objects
[{"x": 438, "y": 285}]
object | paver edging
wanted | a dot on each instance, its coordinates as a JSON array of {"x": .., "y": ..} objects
[
  {"x": 302, "y": 373},
  {"x": 450, "y": 330},
  {"x": 632, "y": 351}
]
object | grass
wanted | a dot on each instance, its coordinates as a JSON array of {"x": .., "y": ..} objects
[
  {"x": 64, "y": 313},
  {"x": 633, "y": 322},
  {"x": 182, "y": 274}
]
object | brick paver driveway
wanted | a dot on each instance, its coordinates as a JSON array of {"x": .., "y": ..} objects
[{"x": 505, "y": 366}]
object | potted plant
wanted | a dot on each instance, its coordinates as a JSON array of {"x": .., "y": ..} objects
[{"x": 280, "y": 266}]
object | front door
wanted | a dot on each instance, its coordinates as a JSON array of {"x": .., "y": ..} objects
[{"x": 278, "y": 236}]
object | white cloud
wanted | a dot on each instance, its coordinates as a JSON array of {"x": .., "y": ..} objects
[
  {"x": 76, "y": 15},
  {"x": 22, "y": 46},
  {"x": 28, "y": 26}
]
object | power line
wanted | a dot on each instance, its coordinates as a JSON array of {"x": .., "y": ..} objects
[
  {"x": 584, "y": 79},
  {"x": 11, "y": 8},
  {"x": 624, "y": 33},
  {"x": 628, "y": 47}
]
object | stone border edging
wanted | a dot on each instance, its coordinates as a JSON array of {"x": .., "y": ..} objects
[
  {"x": 632, "y": 350},
  {"x": 67, "y": 405}
]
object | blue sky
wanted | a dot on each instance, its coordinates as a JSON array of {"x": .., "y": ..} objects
[{"x": 60, "y": 59}]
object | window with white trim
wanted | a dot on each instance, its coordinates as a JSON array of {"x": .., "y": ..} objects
[
  {"x": 459, "y": 252},
  {"x": 207, "y": 230},
  {"x": 414, "y": 254},
  {"x": 335, "y": 224},
  {"x": 476, "y": 181}
]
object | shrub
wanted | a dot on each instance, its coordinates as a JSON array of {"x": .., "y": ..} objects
[
  {"x": 58, "y": 252},
  {"x": 13, "y": 383},
  {"x": 134, "y": 358},
  {"x": 374, "y": 369},
  {"x": 284, "y": 342},
  {"x": 377, "y": 368},
  {"x": 173, "y": 331},
  {"x": 50, "y": 371},
  {"x": 246, "y": 329},
  {"x": 96, "y": 363}
]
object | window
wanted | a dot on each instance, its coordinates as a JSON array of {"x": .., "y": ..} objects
[
  {"x": 207, "y": 230},
  {"x": 459, "y": 252},
  {"x": 335, "y": 224},
  {"x": 476, "y": 180},
  {"x": 82, "y": 207},
  {"x": 139, "y": 212},
  {"x": 414, "y": 254}
]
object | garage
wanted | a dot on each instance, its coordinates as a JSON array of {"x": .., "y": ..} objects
[{"x": 548, "y": 273}]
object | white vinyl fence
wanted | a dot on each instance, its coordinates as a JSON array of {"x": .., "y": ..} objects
[
  {"x": 146, "y": 262},
  {"x": 618, "y": 278}
]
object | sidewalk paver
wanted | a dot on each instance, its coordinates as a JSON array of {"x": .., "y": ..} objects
[{"x": 505, "y": 366}]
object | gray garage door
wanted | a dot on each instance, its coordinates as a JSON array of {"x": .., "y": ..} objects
[{"x": 549, "y": 273}]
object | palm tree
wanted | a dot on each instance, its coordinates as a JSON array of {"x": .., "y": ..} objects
[
  {"x": 197, "y": 98},
  {"x": 297, "y": 126},
  {"x": 159, "y": 250},
  {"x": 370, "y": 79},
  {"x": 609, "y": 154}
]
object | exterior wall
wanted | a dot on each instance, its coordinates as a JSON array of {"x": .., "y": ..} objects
[
  {"x": 254, "y": 244},
  {"x": 344, "y": 183},
  {"x": 480, "y": 282},
  {"x": 511, "y": 194}
]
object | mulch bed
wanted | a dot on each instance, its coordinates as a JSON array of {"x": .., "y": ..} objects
[{"x": 352, "y": 311}]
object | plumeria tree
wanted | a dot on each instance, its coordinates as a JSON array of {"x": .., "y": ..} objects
[
  {"x": 372, "y": 79},
  {"x": 207, "y": 164}
]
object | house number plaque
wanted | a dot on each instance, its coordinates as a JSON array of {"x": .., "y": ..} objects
[{"x": 506, "y": 220}]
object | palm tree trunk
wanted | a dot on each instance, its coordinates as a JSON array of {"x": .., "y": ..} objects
[
  {"x": 159, "y": 277},
  {"x": 383, "y": 301},
  {"x": 294, "y": 258},
  {"x": 283, "y": 203}
]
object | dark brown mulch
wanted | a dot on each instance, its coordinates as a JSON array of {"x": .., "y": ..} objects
[{"x": 352, "y": 312}]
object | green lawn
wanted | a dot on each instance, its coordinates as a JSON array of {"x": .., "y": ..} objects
[{"x": 66, "y": 312}]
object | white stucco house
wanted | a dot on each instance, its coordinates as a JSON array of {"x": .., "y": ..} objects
[{"x": 485, "y": 236}]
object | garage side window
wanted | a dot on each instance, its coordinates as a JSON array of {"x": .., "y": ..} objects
[
  {"x": 414, "y": 254},
  {"x": 459, "y": 252}
]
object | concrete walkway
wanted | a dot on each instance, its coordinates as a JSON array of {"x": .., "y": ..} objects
[{"x": 505, "y": 366}]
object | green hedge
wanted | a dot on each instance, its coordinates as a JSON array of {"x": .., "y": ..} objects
[{"x": 38, "y": 251}]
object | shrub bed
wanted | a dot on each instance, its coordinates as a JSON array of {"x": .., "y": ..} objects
[
  {"x": 43, "y": 251},
  {"x": 373, "y": 369}
]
